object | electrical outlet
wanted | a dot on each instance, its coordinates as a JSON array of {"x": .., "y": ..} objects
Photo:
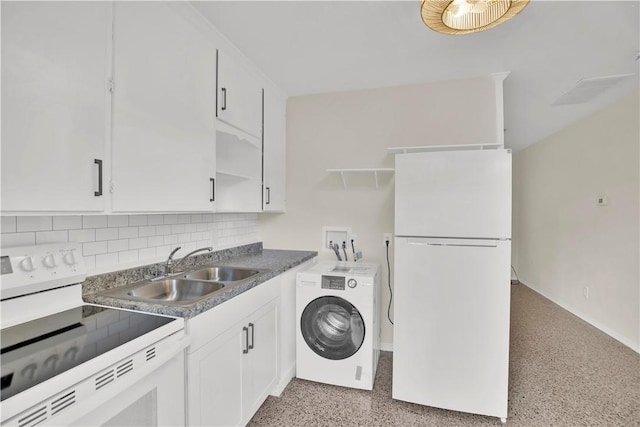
[
  {"x": 387, "y": 237},
  {"x": 585, "y": 292}
]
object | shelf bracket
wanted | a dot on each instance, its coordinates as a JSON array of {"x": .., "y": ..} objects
[{"x": 344, "y": 179}]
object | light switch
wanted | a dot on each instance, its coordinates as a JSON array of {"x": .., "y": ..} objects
[{"x": 602, "y": 200}]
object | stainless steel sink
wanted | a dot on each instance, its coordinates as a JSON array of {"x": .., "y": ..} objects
[
  {"x": 222, "y": 274},
  {"x": 177, "y": 291},
  {"x": 187, "y": 288}
]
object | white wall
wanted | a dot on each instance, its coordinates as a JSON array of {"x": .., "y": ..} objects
[
  {"x": 115, "y": 242},
  {"x": 353, "y": 130},
  {"x": 565, "y": 242}
]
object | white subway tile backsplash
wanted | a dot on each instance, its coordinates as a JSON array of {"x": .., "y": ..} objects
[
  {"x": 155, "y": 241},
  {"x": 147, "y": 253},
  {"x": 170, "y": 239},
  {"x": 109, "y": 240},
  {"x": 177, "y": 229},
  {"x": 161, "y": 230},
  {"x": 137, "y": 220},
  {"x": 106, "y": 234},
  {"x": 82, "y": 236},
  {"x": 67, "y": 222},
  {"x": 145, "y": 231},
  {"x": 44, "y": 237},
  {"x": 165, "y": 250},
  {"x": 138, "y": 243},
  {"x": 90, "y": 261},
  {"x": 18, "y": 239},
  {"x": 171, "y": 219},
  {"x": 118, "y": 221},
  {"x": 8, "y": 224},
  {"x": 34, "y": 223},
  {"x": 127, "y": 232},
  {"x": 155, "y": 219},
  {"x": 105, "y": 260},
  {"x": 118, "y": 245},
  {"x": 94, "y": 221},
  {"x": 94, "y": 248},
  {"x": 127, "y": 256}
]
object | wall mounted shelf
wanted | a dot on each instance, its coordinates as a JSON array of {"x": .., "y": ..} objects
[
  {"x": 232, "y": 174},
  {"x": 427, "y": 148},
  {"x": 376, "y": 171}
]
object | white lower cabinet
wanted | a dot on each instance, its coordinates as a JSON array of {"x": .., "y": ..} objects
[{"x": 233, "y": 359}]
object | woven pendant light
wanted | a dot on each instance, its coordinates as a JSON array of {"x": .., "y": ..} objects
[{"x": 468, "y": 16}]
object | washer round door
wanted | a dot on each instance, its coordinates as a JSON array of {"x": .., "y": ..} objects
[{"x": 332, "y": 327}]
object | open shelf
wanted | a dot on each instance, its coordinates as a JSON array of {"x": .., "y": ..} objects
[
  {"x": 427, "y": 148},
  {"x": 239, "y": 172},
  {"x": 374, "y": 171},
  {"x": 233, "y": 175}
]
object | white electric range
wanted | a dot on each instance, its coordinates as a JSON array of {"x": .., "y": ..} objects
[{"x": 65, "y": 362}]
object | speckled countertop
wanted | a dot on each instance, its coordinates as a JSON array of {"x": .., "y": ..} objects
[{"x": 274, "y": 262}]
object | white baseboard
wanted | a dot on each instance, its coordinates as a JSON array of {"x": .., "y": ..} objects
[
  {"x": 286, "y": 375},
  {"x": 386, "y": 346},
  {"x": 613, "y": 334}
]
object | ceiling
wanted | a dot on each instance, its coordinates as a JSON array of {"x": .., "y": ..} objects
[{"x": 309, "y": 47}]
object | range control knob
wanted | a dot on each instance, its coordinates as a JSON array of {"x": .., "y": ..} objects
[
  {"x": 49, "y": 261},
  {"x": 352, "y": 283},
  {"x": 27, "y": 264},
  {"x": 69, "y": 258}
]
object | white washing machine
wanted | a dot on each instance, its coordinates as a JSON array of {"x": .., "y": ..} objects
[{"x": 338, "y": 331}]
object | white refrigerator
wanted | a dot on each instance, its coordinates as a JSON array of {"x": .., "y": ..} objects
[{"x": 452, "y": 280}]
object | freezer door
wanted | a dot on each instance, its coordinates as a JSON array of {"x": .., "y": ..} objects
[
  {"x": 453, "y": 194},
  {"x": 451, "y": 331}
]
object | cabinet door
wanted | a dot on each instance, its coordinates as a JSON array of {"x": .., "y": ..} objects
[
  {"x": 55, "y": 61},
  {"x": 261, "y": 362},
  {"x": 274, "y": 136},
  {"x": 164, "y": 109},
  {"x": 215, "y": 381},
  {"x": 239, "y": 96}
]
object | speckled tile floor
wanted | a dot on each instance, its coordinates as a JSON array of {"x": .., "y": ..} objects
[{"x": 563, "y": 372}]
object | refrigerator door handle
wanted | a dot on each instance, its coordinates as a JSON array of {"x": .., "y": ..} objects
[{"x": 483, "y": 243}]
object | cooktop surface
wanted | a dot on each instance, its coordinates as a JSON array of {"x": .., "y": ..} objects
[{"x": 35, "y": 351}]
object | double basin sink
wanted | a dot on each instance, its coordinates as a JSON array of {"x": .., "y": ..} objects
[{"x": 184, "y": 289}]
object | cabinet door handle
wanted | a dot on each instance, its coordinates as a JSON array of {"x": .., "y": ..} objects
[
  {"x": 213, "y": 189},
  {"x": 251, "y": 326},
  {"x": 99, "y": 163},
  {"x": 224, "y": 98},
  {"x": 268, "y": 196},
  {"x": 245, "y": 350}
]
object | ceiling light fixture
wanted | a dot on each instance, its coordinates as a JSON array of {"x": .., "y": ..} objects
[{"x": 468, "y": 16}]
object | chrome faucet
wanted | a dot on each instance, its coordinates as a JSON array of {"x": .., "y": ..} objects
[{"x": 170, "y": 265}]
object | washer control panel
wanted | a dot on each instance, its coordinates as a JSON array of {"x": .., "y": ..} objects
[
  {"x": 333, "y": 282},
  {"x": 29, "y": 269}
]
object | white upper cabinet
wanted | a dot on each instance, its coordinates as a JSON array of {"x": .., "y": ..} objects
[
  {"x": 239, "y": 96},
  {"x": 55, "y": 62},
  {"x": 163, "y": 143},
  {"x": 274, "y": 137}
]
